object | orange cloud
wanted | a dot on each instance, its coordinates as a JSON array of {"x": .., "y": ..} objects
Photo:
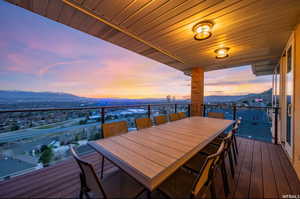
[
  {"x": 125, "y": 77},
  {"x": 236, "y": 81}
]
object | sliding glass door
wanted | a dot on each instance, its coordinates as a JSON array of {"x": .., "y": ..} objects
[{"x": 289, "y": 93}]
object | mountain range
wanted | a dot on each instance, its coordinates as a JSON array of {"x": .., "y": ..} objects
[
  {"x": 266, "y": 96},
  {"x": 29, "y": 96}
]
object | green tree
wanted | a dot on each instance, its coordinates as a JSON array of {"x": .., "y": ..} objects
[
  {"x": 82, "y": 122},
  {"x": 46, "y": 156},
  {"x": 14, "y": 127},
  {"x": 77, "y": 138},
  {"x": 43, "y": 148}
]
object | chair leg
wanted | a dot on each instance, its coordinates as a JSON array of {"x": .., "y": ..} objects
[
  {"x": 234, "y": 153},
  {"x": 213, "y": 189},
  {"x": 81, "y": 194},
  {"x": 82, "y": 186},
  {"x": 236, "y": 146},
  {"x": 231, "y": 162},
  {"x": 102, "y": 166},
  {"x": 225, "y": 179},
  {"x": 149, "y": 194}
]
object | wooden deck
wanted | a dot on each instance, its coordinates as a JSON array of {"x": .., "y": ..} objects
[{"x": 263, "y": 171}]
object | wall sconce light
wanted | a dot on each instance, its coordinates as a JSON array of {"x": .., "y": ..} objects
[
  {"x": 202, "y": 30},
  {"x": 222, "y": 52}
]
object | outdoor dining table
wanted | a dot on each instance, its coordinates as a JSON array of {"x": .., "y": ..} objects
[{"x": 151, "y": 155}]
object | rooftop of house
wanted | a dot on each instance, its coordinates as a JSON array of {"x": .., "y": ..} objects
[{"x": 10, "y": 165}]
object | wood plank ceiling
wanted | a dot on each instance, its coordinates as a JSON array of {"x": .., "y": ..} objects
[{"x": 255, "y": 30}]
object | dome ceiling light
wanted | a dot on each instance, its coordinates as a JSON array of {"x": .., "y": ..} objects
[
  {"x": 222, "y": 53},
  {"x": 202, "y": 30}
]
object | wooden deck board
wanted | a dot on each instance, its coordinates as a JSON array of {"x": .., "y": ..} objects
[
  {"x": 242, "y": 189},
  {"x": 269, "y": 183},
  {"x": 281, "y": 181},
  {"x": 263, "y": 171},
  {"x": 289, "y": 172},
  {"x": 256, "y": 179},
  {"x": 242, "y": 149}
]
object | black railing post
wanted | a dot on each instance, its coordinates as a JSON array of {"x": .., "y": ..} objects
[
  {"x": 204, "y": 107},
  {"x": 102, "y": 120},
  {"x": 149, "y": 110},
  {"x": 175, "y": 108},
  {"x": 234, "y": 111},
  {"x": 276, "y": 126},
  {"x": 189, "y": 110},
  {"x": 102, "y": 115}
]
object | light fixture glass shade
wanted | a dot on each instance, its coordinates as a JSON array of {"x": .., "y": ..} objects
[
  {"x": 202, "y": 30},
  {"x": 222, "y": 53}
]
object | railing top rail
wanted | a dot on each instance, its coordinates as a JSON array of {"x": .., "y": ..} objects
[
  {"x": 240, "y": 106},
  {"x": 84, "y": 108},
  {"x": 124, "y": 106}
]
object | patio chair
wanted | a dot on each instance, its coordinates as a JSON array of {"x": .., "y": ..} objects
[
  {"x": 223, "y": 135},
  {"x": 183, "y": 184},
  {"x": 181, "y": 115},
  {"x": 161, "y": 119},
  {"x": 216, "y": 115},
  {"x": 116, "y": 184},
  {"x": 173, "y": 117},
  {"x": 211, "y": 149},
  {"x": 112, "y": 129},
  {"x": 142, "y": 123},
  {"x": 235, "y": 131}
]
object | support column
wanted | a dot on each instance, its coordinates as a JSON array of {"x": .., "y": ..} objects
[
  {"x": 297, "y": 101},
  {"x": 197, "y": 91}
]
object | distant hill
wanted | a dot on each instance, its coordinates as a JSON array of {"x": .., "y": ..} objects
[
  {"x": 266, "y": 96},
  {"x": 219, "y": 98},
  {"x": 28, "y": 96},
  {"x": 9, "y": 97}
]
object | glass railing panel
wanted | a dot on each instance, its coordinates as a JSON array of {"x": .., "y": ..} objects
[
  {"x": 183, "y": 108},
  {"x": 32, "y": 140},
  {"x": 256, "y": 123},
  {"x": 163, "y": 109},
  {"x": 128, "y": 114},
  {"x": 226, "y": 109},
  {"x": 35, "y": 139}
]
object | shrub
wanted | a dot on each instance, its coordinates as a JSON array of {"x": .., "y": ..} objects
[{"x": 46, "y": 156}]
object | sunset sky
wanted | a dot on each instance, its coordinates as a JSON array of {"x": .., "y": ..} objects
[{"x": 37, "y": 54}]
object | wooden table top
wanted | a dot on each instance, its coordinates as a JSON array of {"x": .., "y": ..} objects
[{"x": 151, "y": 155}]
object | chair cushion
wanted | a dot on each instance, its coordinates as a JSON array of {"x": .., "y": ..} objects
[{"x": 179, "y": 185}]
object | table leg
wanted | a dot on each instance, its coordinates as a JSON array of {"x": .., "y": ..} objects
[{"x": 148, "y": 194}]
